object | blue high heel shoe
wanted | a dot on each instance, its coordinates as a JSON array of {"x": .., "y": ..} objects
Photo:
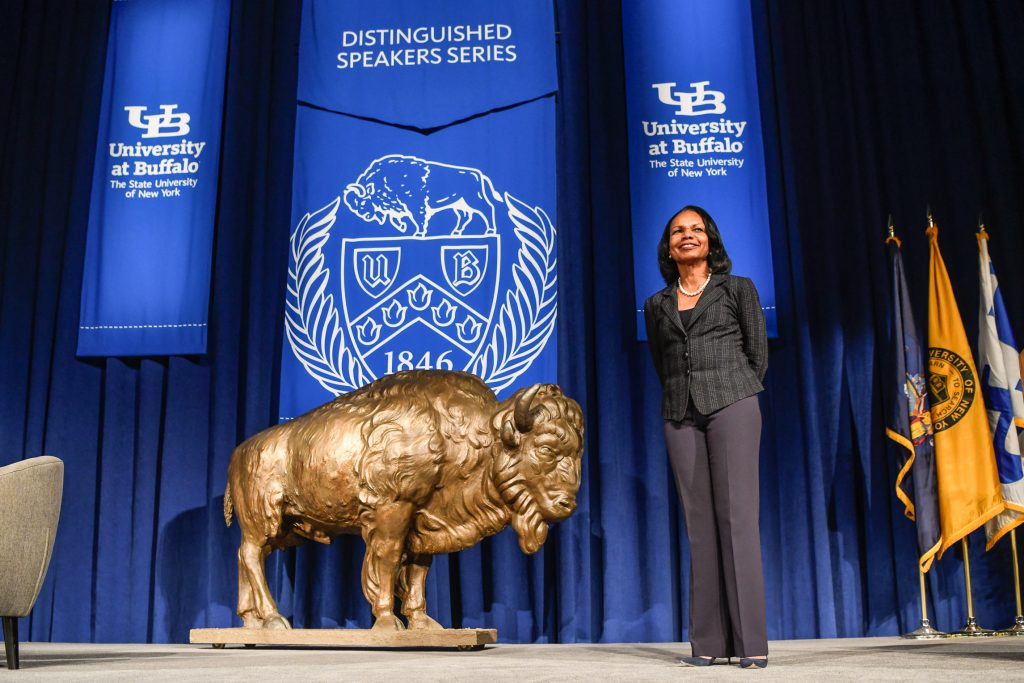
[
  {"x": 750, "y": 663},
  {"x": 697, "y": 661}
]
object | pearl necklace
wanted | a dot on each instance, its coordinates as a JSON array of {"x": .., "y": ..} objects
[{"x": 700, "y": 289}]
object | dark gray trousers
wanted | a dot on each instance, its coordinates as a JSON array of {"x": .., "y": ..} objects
[{"x": 715, "y": 462}]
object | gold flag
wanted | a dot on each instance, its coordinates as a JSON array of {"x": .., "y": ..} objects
[{"x": 969, "y": 493}]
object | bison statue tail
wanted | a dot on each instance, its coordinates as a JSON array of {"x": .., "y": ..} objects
[{"x": 228, "y": 507}]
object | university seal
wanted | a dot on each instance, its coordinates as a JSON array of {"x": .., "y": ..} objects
[{"x": 951, "y": 387}]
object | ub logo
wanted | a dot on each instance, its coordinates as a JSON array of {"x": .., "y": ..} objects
[
  {"x": 163, "y": 125},
  {"x": 434, "y": 296},
  {"x": 697, "y": 103}
]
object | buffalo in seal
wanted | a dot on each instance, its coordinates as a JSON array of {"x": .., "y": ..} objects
[{"x": 409, "y": 191}]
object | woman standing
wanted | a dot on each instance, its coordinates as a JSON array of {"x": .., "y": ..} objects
[{"x": 707, "y": 337}]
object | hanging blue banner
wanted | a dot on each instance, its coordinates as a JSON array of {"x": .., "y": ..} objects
[
  {"x": 423, "y": 220},
  {"x": 425, "y": 64},
  {"x": 695, "y": 134},
  {"x": 146, "y": 281}
]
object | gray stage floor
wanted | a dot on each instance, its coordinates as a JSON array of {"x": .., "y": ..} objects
[{"x": 890, "y": 659}]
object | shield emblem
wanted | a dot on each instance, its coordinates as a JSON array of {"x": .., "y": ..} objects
[
  {"x": 464, "y": 266},
  {"x": 376, "y": 269},
  {"x": 435, "y": 314}
]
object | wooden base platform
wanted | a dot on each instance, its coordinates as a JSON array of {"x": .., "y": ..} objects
[{"x": 462, "y": 638}]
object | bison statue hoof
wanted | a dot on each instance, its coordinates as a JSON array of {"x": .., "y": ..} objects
[
  {"x": 388, "y": 622},
  {"x": 276, "y": 622},
  {"x": 420, "y": 620}
]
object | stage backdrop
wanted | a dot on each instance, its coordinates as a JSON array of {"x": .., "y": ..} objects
[
  {"x": 146, "y": 285},
  {"x": 424, "y": 196},
  {"x": 695, "y": 134},
  {"x": 142, "y": 553}
]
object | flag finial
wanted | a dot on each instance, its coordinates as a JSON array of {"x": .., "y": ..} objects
[
  {"x": 981, "y": 223},
  {"x": 892, "y": 234},
  {"x": 931, "y": 218}
]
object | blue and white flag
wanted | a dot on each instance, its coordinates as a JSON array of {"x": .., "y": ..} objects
[
  {"x": 423, "y": 220},
  {"x": 695, "y": 134},
  {"x": 1000, "y": 377},
  {"x": 149, "y": 246}
]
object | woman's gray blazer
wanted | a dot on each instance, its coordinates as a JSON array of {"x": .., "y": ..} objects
[{"x": 722, "y": 354}]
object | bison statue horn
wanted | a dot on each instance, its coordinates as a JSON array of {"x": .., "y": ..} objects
[{"x": 524, "y": 416}]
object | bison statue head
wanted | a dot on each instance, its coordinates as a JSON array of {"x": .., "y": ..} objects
[{"x": 537, "y": 471}]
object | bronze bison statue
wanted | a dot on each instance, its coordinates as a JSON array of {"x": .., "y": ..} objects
[{"x": 419, "y": 463}]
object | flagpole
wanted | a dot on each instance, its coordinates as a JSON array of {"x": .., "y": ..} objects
[
  {"x": 971, "y": 628},
  {"x": 966, "y": 465},
  {"x": 925, "y": 631},
  {"x": 1018, "y": 625}
]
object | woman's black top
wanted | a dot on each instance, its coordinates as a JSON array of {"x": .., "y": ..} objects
[{"x": 684, "y": 316}]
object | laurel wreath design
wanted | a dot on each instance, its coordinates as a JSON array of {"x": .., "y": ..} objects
[
  {"x": 528, "y": 313},
  {"x": 311, "y": 318},
  {"x": 525, "y": 321}
]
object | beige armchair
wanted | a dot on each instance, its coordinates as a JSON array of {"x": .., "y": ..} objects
[{"x": 30, "y": 493}]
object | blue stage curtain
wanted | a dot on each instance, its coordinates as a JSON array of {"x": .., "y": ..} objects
[{"x": 868, "y": 108}]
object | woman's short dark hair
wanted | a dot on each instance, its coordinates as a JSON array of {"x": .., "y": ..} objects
[{"x": 718, "y": 259}]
